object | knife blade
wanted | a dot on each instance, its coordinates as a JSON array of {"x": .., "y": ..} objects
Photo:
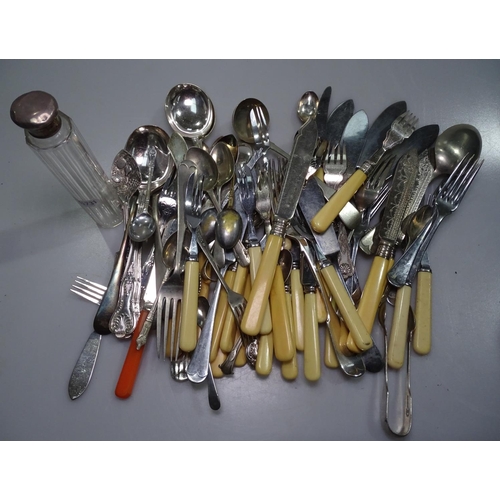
[
  {"x": 374, "y": 139},
  {"x": 405, "y": 176},
  {"x": 310, "y": 202},
  {"x": 322, "y": 113},
  {"x": 338, "y": 121},
  {"x": 300, "y": 159},
  {"x": 422, "y": 139},
  {"x": 354, "y": 136}
]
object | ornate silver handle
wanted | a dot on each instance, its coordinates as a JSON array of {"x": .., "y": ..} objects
[{"x": 128, "y": 309}]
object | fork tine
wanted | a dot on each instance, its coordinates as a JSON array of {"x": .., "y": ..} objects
[
  {"x": 454, "y": 178},
  {"x": 85, "y": 296},
  {"x": 93, "y": 283},
  {"x": 471, "y": 173},
  {"x": 85, "y": 292}
]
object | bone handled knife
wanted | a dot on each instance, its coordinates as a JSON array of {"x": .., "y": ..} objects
[{"x": 300, "y": 159}]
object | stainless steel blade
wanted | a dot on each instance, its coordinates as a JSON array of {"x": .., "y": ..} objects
[
  {"x": 310, "y": 202},
  {"x": 300, "y": 159},
  {"x": 322, "y": 112},
  {"x": 354, "y": 136},
  {"x": 337, "y": 122},
  {"x": 376, "y": 133}
]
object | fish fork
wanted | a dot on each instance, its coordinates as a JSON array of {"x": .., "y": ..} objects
[
  {"x": 400, "y": 130},
  {"x": 446, "y": 200},
  {"x": 335, "y": 166}
]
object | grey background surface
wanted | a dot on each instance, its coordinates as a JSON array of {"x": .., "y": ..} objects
[{"x": 46, "y": 240}]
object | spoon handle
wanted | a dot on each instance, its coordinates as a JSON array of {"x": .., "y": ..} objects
[
  {"x": 197, "y": 370},
  {"x": 312, "y": 361}
]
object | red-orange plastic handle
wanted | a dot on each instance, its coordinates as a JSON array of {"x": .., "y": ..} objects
[{"x": 130, "y": 368}]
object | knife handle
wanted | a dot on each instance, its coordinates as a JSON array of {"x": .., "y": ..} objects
[
  {"x": 255, "y": 254},
  {"x": 422, "y": 338},
  {"x": 297, "y": 308},
  {"x": 189, "y": 310},
  {"x": 283, "y": 339},
  {"x": 290, "y": 369},
  {"x": 241, "y": 357},
  {"x": 322, "y": 220},
  {"x": 399, "y": 328},
  {"x": 330, "y": 358},
  {"x": 220, "y": 315},
  {"x": 261, "y": 288},
  {"x": 320, "y": 308},
  {"x": 373, "y": 290},
  {"x": 312, "y": 363},
  {"x": 264, "y": 363},
  {"x": 355, "y": 324},
  {"x": 229, "y": 329},
  {"x": 220, "y": 357},
  {"x": 84, "y": 367},
  {"x": 130, "y": 367}
]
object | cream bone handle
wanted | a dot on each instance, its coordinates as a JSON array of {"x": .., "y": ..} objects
[
  {"x": 261, "y": 289},
  {"x": 399, "y": 328},
  {"x": 422, "y": 337},
  {"x": 355, "y": 324},
  {"x": 322, "y": 220},
  {"x": 255, "y": 254},
  {"x": 312, "y": 356},
  {"x": 189, "y": 309}
]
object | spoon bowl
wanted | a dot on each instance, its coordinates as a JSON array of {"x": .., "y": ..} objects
[
  {"x": 190, "y": 111},
  {"x": 308, "y": 106},
  {"x": 452, "y": 145},
  {"x": 206, "y": 165},
  {"x": 224, "y": 161},
  {"x": 141, "y": 144},
  {"x": 241, "y": 119},
  {"x": 228, "y": 228}
]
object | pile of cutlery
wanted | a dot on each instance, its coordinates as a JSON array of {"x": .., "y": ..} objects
[{"x": 242, "y": 254}]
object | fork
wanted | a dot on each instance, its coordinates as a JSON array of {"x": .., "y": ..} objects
[
  {"x": 335, "y": 166},
  {"x": 446, "y": 200},
  {"x": 401, "y": 128},
  {"x": 198, "y": 367}
]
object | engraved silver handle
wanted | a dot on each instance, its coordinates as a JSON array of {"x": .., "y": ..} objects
[{"x": 128, "y": 309}]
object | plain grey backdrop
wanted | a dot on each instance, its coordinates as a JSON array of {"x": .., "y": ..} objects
[{"x": 46, "y": 240}]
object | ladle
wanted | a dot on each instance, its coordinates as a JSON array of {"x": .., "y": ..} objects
[{"x": 190, "y": 112}]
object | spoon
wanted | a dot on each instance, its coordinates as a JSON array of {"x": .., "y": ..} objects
[
  {"x": 452, "y": 145},
  {"x": 251, "y": 122},
  {"x": 224, "y": 161},
  {"x": 204, "y": 162},
  {"x": 148, "y": 146},
  {"x": 308, "y": 106},
  {"x": 228, "y": 228},
  {"x": 231, "y": 142},
  {"x": 190, "y": 112}
]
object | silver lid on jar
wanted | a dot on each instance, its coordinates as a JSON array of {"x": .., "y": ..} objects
[{"x": 37, "y": 112}]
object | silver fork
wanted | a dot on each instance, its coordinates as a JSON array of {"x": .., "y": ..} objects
[
  {"x": 402, "y": 127},
  {"x": 89, "y": 290},
  {"x": 447, "y": 198},
  {"x": 335, "y": 166}
]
